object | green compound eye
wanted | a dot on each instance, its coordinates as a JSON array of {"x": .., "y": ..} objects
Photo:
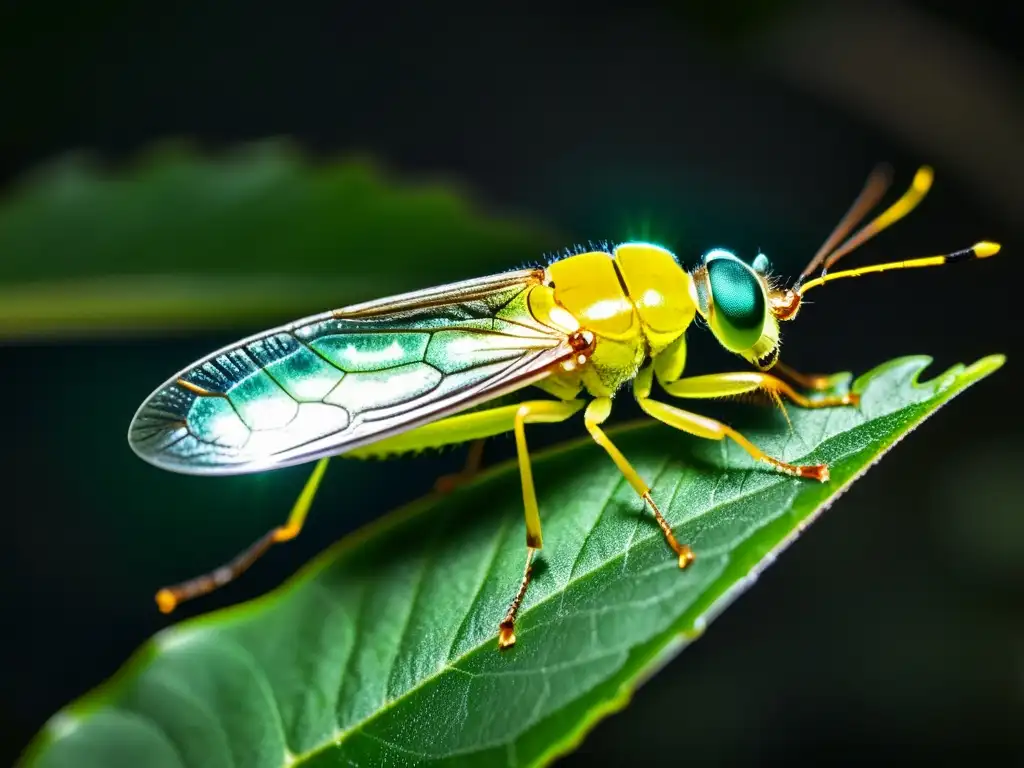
[{"x": 739, "y": 304}]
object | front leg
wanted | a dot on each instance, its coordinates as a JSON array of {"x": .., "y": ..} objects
[
  {"x": 811, "y": 382},
  {"x": 717, "y": 385}
]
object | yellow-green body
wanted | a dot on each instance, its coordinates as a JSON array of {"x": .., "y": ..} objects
[
  {"x": 418, "y": 371},
  {"x": 637, "y": 303},
  {"x": 586, "y": 325}
]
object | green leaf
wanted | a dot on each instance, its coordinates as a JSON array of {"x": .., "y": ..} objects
[
  {"x": 260, "y": 233},
  {"x": 382, "y": 651}
]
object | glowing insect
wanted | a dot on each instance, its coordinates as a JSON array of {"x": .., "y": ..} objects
[{"x": 393, "y": 375}]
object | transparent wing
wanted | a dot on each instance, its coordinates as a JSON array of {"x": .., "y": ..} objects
[{"x": 333, "y": 382}]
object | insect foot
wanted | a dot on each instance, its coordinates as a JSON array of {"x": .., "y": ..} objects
[
  {"x": 817, "y": 472},
  {"x": 686, "y": 556},
  {"x": 506, "y": 635}
]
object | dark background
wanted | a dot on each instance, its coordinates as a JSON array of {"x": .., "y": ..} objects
[{"x": 892, "y": 629}]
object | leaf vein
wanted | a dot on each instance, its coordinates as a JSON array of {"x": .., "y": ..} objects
[
  {"x": 490, "y": 560},
  {"x": 199, "y": 704},
  {"x": 260, "y": 678},
  {"x": 552, "y": 596},
  {"x": 425, "y": 562},
  {"x": 347, "y": 663}
]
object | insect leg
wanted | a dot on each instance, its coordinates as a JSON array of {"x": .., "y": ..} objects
[
  {"x": 474, "y": 461},
  {"x": 701, "y": 426},
  {"x": 168, "y": 598},
  {"x": 596, "y": 414},
  {"x": 814, "y": 382},
  {"x": 477, "y": 425},
  {"x": 530, "y": 413},
  {"x": 730, "y": 384}
]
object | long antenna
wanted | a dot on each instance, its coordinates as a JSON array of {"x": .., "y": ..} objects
[
  {"x": 874, "y": 190},
  {"x": 908, "y": 202},
  {"x": 981, "y": 250}
]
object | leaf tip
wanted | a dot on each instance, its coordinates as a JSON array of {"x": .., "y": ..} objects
[{"x": 985, "y": 366}]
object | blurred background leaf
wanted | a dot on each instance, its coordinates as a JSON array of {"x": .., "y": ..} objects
[
  {"x": 384, "y": 650},
  {"x": 182, "y": 240}
]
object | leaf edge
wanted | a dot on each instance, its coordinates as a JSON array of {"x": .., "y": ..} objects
[{"x": 686, "y": 629}]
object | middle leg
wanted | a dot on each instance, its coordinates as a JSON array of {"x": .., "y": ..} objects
[
  {"x": 716, "y": 385},
  {"x": 702, "y": 426},
  {"x": 477, "y": 425},
  {"x": 596, "y": 414}
]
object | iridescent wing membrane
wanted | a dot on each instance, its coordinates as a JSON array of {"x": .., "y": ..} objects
[{"x": 340, "y": 380}]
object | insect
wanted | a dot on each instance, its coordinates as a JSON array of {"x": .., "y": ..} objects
[{"x": 417, "y": 371}]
